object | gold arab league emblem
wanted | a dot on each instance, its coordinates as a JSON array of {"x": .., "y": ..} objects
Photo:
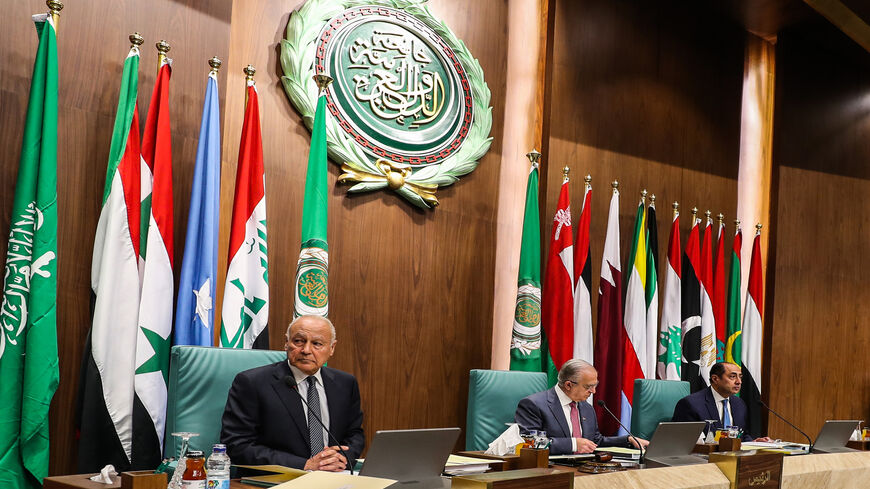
[{"x": 409, "y": 108}]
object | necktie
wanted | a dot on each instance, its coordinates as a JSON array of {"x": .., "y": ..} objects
[
  {"x": 726, "y": 418},
  {"x": 315, "y": 431},
  {"x": 576, "y": 430}
]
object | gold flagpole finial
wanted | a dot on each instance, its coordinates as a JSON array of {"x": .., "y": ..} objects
[
  {"x": 534, "y": 156},
  {"x": 737, "y": 224},
  {"x": 163, "y": 47},
  {"x": 758, "y": 228},
  {"x": 322, "y": 82},
  {"x": 215, "y": 64},
  {"x": 720, "y": 218},
  {"x": 694, "y": 215},
  {"x": 565, "y": 171},
  {"x": 652, "y": 199},
  {"x": 587, "y": 181},
  {"x": 643, "y": 195},
  {"x": 54, "y": 8},
  {"x": 708, "y": 214},
  {"x": 136, "y": 39},
  {"x": 676, "y": 206},
  {"x": 615, "y": 184},
  {"x": 249, "y": 72}
]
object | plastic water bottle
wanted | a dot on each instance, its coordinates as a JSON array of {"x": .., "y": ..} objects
[{"x": 217, "y": 468}]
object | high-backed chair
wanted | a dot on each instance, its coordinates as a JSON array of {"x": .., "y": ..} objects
[
  {"x": 199, "y": 381},
  {"x": 654, "y": 401},
  {"x": 493, "y": 396}
]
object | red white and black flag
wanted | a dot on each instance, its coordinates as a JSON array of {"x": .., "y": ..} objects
[
  {"x": 753, "y": 314},
  {"x": 690, "y": 304}
]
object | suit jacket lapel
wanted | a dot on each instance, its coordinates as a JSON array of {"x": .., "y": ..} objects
[
  {"x": 558, "y": 413},
  {"x": 712, "y": 410},
  {"x": 292, "y": 402}
]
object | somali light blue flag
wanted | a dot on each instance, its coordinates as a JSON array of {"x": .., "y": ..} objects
[{"x": 194, "y": 313}]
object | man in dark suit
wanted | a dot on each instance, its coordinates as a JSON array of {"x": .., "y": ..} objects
[
  {"x": 265, "y": 422},
  {"x": 718, "y": 401},
  {"x": 566, "y": 416}
]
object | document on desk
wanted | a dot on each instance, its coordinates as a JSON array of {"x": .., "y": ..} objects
[
  {"x": 331, "y": 480},
  {"x": 620, "y": 452},
  {"x": 461, "y": 465}
]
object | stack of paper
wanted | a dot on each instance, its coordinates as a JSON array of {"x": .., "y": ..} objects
[
  {"x": 619, "y": 452},
  {"x": 459, "y": 465}
]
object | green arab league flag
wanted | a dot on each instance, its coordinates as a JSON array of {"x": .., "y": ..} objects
[{"x": 28, "y": 337}]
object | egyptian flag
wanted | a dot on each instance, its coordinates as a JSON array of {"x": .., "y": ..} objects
[
  {"x": 690, "y": 305},
  {"x": 753, "y": 314},
  {"x": 719, "y": 291},
  {"x": 106, "y": 388},
  {"x": 583, "y": 282},
  {"x": 670, "y": 334},
  {"x": 609, "y": 343},
  {"x": 708, "y": 320},
  {"x": 558, "y": 304},
  {"x": 246, "y": 292}
]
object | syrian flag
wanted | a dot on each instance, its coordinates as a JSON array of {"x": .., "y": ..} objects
[
  {"x": 194, "y": 312},
  {"x": 690, "y": 305},
  {"x": 733, "y": 344},
  {"x": 583, "y": 282},
  {"x": 107, "y": 386},
  {"x": 28, "y": 330},
  {"x": 526, "y": 338},
  {"x": 245, "y": 312},
  {"x": 652, "y": 290},
  {"x": 155, "y": 258},
  {"x": 670, "y": 334},
  {"x": 634, "y": 343},
  {"x": 708, "y": 320},
  {"x": 719, "y": 292},
  {"x": 558, "y": 306},
  {"x": 753, "y": 314},
  {"x": 609, "y": 342},
  {"x": 312, "y": 270}
]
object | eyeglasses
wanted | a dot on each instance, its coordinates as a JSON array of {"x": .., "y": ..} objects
[{"x": 587, "y": 387}]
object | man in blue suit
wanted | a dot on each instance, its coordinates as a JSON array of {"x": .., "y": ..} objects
[
  {"x": 718, "y": 401},
  {"x": 566, "y": 416}
]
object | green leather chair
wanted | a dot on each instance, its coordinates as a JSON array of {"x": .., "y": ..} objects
[
  {"x": 493, "y": 396},
  {"x": 199, "y": 381},
  {"x": 654, "y": 401}
]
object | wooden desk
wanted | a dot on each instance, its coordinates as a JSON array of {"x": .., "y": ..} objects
[{"x": 78, "y": 481}]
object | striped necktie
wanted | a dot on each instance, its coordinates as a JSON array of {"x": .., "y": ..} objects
[{"x": 315, "y": 431}]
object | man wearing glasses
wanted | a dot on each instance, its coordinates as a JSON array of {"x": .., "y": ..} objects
[
  {"x": 266, "y": 422},
  {"x": 566, "y": 416}
]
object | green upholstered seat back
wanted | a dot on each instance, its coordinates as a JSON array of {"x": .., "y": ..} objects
[
  {"x": 199, "y": 380},
  {"x": 492, "y": 401},
  {"x": 654, "y": 401}
]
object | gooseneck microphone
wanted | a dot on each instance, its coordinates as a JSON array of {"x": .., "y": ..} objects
[
  {"x": 603, "y": 405},
  {"x": 810, "y": 440},
  {"x": 291, "y": 383}
]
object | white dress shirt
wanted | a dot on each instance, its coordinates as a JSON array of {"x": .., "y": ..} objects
[
  {"x": 717, "y": 398},
  {"x": 566, "y": 401},
  {"x": 301, "y": 379}
]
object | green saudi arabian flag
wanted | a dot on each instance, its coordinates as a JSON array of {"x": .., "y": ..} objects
[
  {"x": 527, "y": 339},
  {"x": 28, "y": 337},
  {"x": 311, "y": 290}
]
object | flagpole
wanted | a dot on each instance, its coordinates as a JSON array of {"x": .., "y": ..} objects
[
  {"x": 565, "y": 172},
  {"x": 736, "y": 225},
  {"x": 163, "y": 47},
  {"x": 249, "y": 79},
  {"x": 534, "y": 156},
  {"x": 215, "y": 64},
  {"x": 322, "y": 82},
  {"x": 587, "y": 182},
  {"x": 54, "y": 8},
  {"x": 694, "y": 215},
  {"x": 676, "y": 206}
]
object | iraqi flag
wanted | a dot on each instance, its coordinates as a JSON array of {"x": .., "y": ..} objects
[
  {"x": 107, "y": 385},
  {"x": 753, "y": 314},
  {"x": 670, "y": 334},
  {"x": 690, "y": 305},
  {"x": 558, "y": 303},
  {"x": 634, "y": 342},
  {"x": 708, "y": 320},
  {"x": 246, "y": 293},
  {"x": 609, "y": 342},
  {"x": 155, "y": 259},
  {"x": 583, "y": 282},
  {"x": 719, "y": 290}
]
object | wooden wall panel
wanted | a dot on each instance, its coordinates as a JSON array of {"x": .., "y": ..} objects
[
  {"x": 647, "y": 94},
  {"x": 819, "y": 367},
  {"x": 92, "y": 46}
]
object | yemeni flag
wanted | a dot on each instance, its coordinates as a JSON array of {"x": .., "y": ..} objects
[
  {"x": 652, "y": 290},
  {"x": 558, "y": 305},
  {"x": 583, "y": 282},
  {"x": 690, "y": 305},
  {"x": 155, "y": 258},
  {"x": 719, "y": 290},
  {"x": 733, "y": 344},
  {"x": 526, "y": 340},
  {"x": 312, "y": 275},
  {"x": 634, "y": 342},
  {"x": 194, "y": 312},
  {"x": 609, "y": 342},
  {"x": 107, "y": 386},
  {"x": 245, "y": 312},
  {"x": 753, "y": 313},
  {"x": 708, "y": 320},
  {"x": 670, "y": 335},
  {"x": 28, "y": 339}
]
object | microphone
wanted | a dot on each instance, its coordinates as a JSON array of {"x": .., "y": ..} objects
[
  {"x": 602, "y": 404},
  {"x": 759, "y": 401},
  {"x": 291, "y": 383}
]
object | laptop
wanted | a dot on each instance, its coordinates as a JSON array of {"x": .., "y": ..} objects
[
  {"x": 413, "y": 458},
  {"x": 834, "y": 435},
  {"x": 672, "y": 444}
]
